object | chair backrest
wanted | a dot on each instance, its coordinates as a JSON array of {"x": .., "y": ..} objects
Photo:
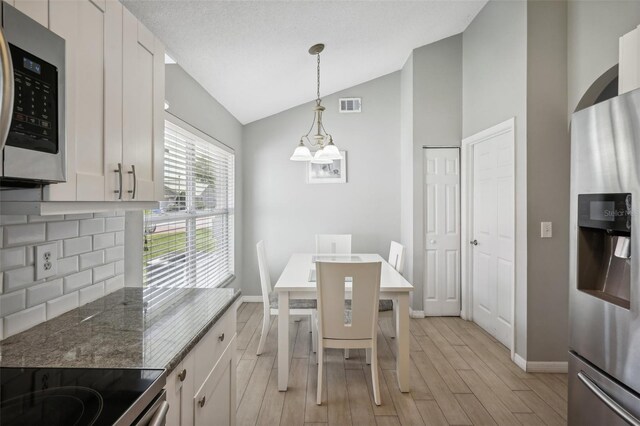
[
  {"x": 365, "y": 293},
  {"x": 333, "y": 243},
  {"x": 396, "y": 256},
  {"x": 263, "y": 267}
]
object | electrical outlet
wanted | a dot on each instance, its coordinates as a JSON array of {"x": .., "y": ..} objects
[
  {"x": 546, "y": 230},
  {"x": 46, "y": 261}
]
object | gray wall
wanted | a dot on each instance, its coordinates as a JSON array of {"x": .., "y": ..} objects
[
  {"x": 191, "y": 103},
  {"x": 432, "y": 99},
  {"x": 406, "y": 173},
  {"x": 594, "y": 28},
  {"x": 494, "y": 86},
  {"x": 286, "y": 212},
  {"x": 548, "y": 163}
]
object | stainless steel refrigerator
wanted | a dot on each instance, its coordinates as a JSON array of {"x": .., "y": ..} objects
[{"x": 604, "y": 294}]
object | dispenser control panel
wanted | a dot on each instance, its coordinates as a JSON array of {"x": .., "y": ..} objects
[{"x": 605, "y": 211}]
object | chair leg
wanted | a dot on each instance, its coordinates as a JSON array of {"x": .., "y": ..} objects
[
  {"x": 346, "y": 354},
  {"x": 368, "y": 356},
  {"x": 393, "y": 319},
  {"x": 314, "y": 331},
  {"x": 266, "y": 320},
  {"x": 320, "y": 367},
  {"x": 374, "y": 375}
]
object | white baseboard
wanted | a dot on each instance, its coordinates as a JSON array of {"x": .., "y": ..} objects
[
  {"x": 541, "y": 366},
  {"x": 520, "y": 362},
  {"x": 416, "y": 314},
  {"x": 251, "y": 299}
]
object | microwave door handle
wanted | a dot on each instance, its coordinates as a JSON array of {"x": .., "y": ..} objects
[
  {"x": 607, "y": 400},
  {"x": 6, "y": 89}
]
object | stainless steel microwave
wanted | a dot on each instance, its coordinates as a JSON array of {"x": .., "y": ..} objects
[{"x": 33, "y": 102}]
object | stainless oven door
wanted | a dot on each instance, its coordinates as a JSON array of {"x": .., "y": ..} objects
[
  {"x": 156, "y": 413},
  {"x": 605, "y": 158},
  {"x": 595, "y": 399}
]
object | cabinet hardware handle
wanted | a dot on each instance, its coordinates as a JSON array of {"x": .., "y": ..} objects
[
  {"x": 221, "y": 337},
  {"x": 182, "y": 375},
  {"x": 473, "y": 242},
  {"x": 202, "y": 401},
  {"x": 135, "y": 182},
  {"x": 119, "y": 172}
]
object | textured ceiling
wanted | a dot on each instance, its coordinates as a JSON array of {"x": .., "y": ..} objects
[{"x": 252, "y": 55}]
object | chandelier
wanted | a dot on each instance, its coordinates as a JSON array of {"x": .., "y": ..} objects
[{"x": 326, "y": 151}]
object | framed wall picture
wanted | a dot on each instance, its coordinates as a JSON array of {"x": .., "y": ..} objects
[{"x": 335, "y": 172}]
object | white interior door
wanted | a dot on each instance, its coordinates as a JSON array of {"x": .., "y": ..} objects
[
  {"x": 442, "y": 231},
  {"x": 493, "y": 239}
]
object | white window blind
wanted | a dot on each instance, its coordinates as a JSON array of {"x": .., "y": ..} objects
[{"x": 188, "y": 241}]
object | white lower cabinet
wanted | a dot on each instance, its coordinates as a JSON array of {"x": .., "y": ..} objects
[{"x": 201, "y": 390}]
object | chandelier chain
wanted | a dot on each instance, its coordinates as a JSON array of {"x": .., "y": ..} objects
[{"x": 318, "y": 81}]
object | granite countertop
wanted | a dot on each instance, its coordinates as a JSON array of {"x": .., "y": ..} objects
[{"x": 120, "y": 331}]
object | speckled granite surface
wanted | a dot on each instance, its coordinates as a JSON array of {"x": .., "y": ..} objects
[{"x": 119, "y": 331}]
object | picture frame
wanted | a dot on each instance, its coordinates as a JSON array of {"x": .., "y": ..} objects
[{"x": 328, "y": 173}]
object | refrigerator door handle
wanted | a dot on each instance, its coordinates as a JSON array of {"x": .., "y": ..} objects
[{"x": 610, "y": 402}]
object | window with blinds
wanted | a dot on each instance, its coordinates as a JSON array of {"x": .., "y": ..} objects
[{"x": 188, "y": 241}]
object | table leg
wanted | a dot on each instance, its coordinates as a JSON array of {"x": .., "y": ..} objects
[
  {"x": 283, "y": 340},
  {"x": 402, "y": 340}
]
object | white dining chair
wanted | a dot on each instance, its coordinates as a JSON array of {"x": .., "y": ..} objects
[
  {"x": 396, "y": 260},
  {"x": 270, "y": 302},
  {"x": 344, "y": 329},
  {"x": 333, "y": 243}
]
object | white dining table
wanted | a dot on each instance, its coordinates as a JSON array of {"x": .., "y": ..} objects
[{"x": 298, "y": 282}]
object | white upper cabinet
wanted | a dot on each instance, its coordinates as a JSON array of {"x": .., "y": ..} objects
[
  {"x": 35, "y": 9},
  {"x": 143, "y": 106},
  {"x": 629, "y": 63},
  {"x": 115, "y": 99}
]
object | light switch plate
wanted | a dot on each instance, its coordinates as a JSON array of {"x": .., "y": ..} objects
[
  {"x": 46, "y": 261},
  {"x": 546, "y": 230}
]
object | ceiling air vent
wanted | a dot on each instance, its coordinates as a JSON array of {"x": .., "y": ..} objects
[{"x": 350, "y": 104}]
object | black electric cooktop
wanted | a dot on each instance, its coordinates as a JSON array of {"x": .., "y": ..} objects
[{"x": 74, "y": 396}]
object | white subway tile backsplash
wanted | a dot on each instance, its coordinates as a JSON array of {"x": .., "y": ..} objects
[
  {"x": 8, "y": 219},
  {"x": 62, "y": 230},
  {"x": 89, "y": 260},
  {"x": 68, "y": 265},
  {"x": 114, "y": 224},
  {"x": 24, "y": 320},
  {"x": 90, "y": 264},
  {"x": 76, "y": 246},
  {"x": 16, "y": 279},
  {"x": 113, "y": 284},
  {"x": 103, "y": 272},
  {"x": 51, "y": 218},
  {"x": 91, "y": 226},
  {"x": 78, "y": 216},
  {"x": 12, "y": 258},
  {"x": 40, "y": 293},
  {"x": 12, "y": 302},
  {"x": 77, "y": 281},
  {"x": 62, "y": 304},
  {"x": 101, "y": 241},
  {"x": 114, "y": 253},
  {"x": 24, "y": 234},
  {"x": 91, "y": 293}
]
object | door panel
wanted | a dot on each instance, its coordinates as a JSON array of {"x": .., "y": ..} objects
[
  {"x": 493, "y": 229},
  {"x": 442, "y": 231}
]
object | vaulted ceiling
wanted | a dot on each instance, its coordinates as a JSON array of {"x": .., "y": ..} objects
[{"x": 252, "y": 55}]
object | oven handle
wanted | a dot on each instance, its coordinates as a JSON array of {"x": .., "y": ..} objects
[
  {"x": 608, "y": 401},
  {"x": 160, "y": 416},
  {"x": 6, "y": 89}
]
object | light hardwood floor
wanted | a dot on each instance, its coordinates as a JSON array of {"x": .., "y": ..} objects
[{"x": 460, "y": 375}]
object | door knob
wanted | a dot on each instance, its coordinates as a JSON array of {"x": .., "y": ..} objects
[
  {"x": 202, "y": 401},
  {"x": 473, "y": 242}
]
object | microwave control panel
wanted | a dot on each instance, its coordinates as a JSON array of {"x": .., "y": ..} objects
[{"x": 35, "y": 107}]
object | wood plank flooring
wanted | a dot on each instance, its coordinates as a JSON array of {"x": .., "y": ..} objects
[{"x": 460, "y": 375}]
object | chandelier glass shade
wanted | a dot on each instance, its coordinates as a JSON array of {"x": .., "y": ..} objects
[{"x": 326, "y": 150}]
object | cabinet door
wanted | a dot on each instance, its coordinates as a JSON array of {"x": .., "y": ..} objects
[
  {"x": 173, "y": 388},
  {"x": 179, "y": 389},
  {"x": 215, "y": 402},
  {"x": 143, "y": 103},
  {"x": 38, "y": 10},
  {"x": 629, "y": 62}
]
